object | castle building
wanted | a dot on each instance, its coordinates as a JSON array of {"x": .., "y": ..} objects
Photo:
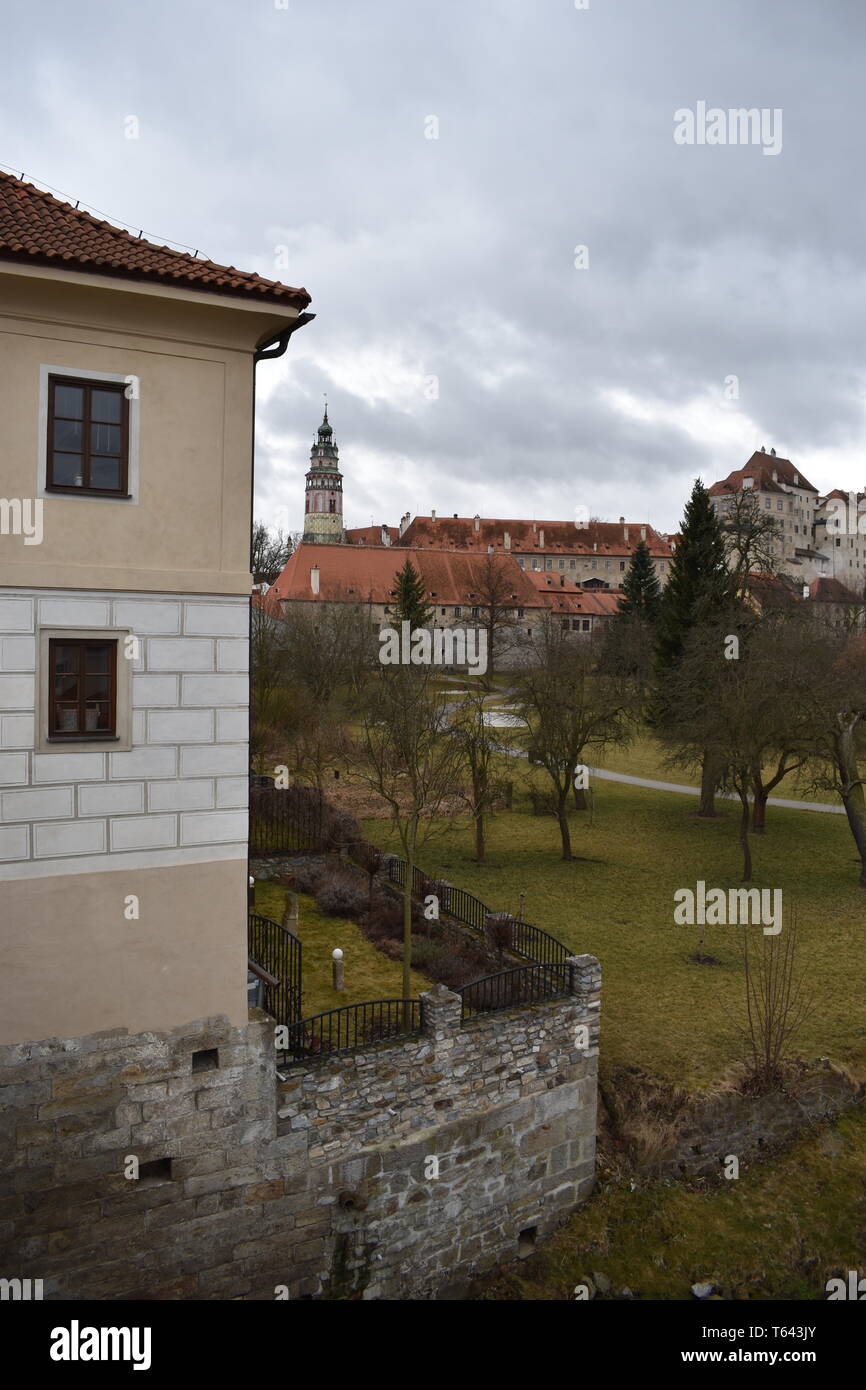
[{"x": 323, "y": 519}]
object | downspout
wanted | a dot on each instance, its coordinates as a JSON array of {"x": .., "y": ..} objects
[{"x": 270, "y": 348}]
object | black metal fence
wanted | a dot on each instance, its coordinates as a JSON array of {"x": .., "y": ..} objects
[
  {"x": 525, "y": 984},
  {"x": 277, "y": 952},
  {"x": 525, "y": 940},
  {"x": 354, "y": 1025},
  {"x": 284, "y": 823}
]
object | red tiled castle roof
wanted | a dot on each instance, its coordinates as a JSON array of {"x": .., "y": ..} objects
[{"x": 558, "y": 537}]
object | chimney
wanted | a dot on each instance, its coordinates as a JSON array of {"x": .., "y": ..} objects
[
  {"x": 404, "y": 522},
  {"x": 477, "y": 522},
  {"x": 506, "y": 539},
  {"x": 621, "y": 520},
  {"x": 386, "y": 535},
  {"x": 432, "y": 515},
  {"x": 314, "y": 579},
  {"x": 773, "y": 452}
]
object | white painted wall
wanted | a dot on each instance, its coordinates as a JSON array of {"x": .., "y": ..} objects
[{"x": 181, "y": 794}]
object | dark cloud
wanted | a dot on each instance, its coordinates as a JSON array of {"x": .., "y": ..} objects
[{"x": 304, "y": 128}]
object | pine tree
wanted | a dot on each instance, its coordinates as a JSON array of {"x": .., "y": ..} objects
[
  {"x": 411, "y": 606},
  {"x": 641, "y": 587},
  {"x": 699, "y": 585},
  {"x": 699, "y": 589}
]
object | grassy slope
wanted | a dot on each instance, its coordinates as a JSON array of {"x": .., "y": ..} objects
[
  {"x": 659, "y": 1010},
  {"x": 778, "y": 1231},
  {"x": 369, "y": 974}
]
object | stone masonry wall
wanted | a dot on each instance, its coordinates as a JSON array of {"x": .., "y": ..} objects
[{"x": 394, "y": 1171}]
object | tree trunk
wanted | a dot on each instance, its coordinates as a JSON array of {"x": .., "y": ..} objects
[
  {"x": 853, "y": 797},
  {"x": 580, "y": 803},
  {"x": 479, "y": 837},
  {"x": 759, "y": 808},
  {"x": 407, "y": 941},
  {"x": 744, "y": 837},
  {"x": 709, "y": 778},
  {"x": 562, "y": 817}
]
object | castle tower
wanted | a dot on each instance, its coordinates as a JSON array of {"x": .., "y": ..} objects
[{"x": 323, "y": 520}]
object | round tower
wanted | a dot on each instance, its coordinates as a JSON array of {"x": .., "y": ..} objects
[{"x": 323, "y": 512}]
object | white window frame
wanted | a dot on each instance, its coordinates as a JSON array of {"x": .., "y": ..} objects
[{"x": 114, "y": 379}]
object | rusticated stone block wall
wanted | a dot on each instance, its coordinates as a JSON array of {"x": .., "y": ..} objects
[{"x": 394, "y": 1171}]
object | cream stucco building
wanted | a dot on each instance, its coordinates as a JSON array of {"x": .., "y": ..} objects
[{"x": 127, "y": 383}]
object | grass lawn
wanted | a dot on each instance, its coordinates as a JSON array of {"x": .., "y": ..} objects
[
  {"x": 659, "y": 1010},
  {"x": 645, "y": 757},
  {"x": 778, "y": 1231},
  {"x": 369, "y": 973}
]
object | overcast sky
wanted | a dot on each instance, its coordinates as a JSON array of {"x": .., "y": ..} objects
[{"x": 470, "y": 365}]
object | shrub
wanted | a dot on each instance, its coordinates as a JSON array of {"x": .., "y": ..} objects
[
  {"x": 499, "y": 930},
  {"x": 342, "y": 894},
  {"x": 306, "y": 878},
  {"x": 455, "y": 966},
  {"x": 386, "y": 920},
  {"x": 425, "y": 954}
]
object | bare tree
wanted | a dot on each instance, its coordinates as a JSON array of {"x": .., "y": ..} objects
[
  {"x": 777, "y": 1003},
  {"x": 270, "y": 552},
  {"x": 271, "y": 700},
  {"x": 479, "y": 743},
  {"x": 735, "y": 700},
  {"x": 568, "y": 703},
  {"x": 834, "y": 706},
  {"x": 405, "y": 756},
  {"x": 750, "y": 534},
  {"x": 497, "y": 605}
]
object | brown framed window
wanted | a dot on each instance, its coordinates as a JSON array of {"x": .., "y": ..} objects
[
  {"x": 82, "y": 693},
  {"x": 88, "y": 437}
]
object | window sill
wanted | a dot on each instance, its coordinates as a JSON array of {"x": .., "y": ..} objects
[
  {"x": 61, "y": 739},
  {"x": 52, "y": 491}
]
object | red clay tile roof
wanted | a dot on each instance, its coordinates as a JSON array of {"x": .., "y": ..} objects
[
  {"x": 268, "y": 603},
  {"x": 761, "y": 468},
  {"x": 773, "y": 588},
  {"x": 367, "y": 574},
  {"x": 38, "y": 229},
  {"x": 560, "y": 537},
  {"x": 832, "y": 591},
  {"x": 371, "y": 535}
]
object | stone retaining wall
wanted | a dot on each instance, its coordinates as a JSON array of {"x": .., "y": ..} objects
[{"x": 395, "y": 1171}]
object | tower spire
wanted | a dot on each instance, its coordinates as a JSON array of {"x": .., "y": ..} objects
[{"x": 323, "y": 520}]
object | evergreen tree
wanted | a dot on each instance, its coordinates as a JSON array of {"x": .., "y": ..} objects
[
  {"x": 641, "y": 586},
  {"x": 699, "y": 589},
  {"x": 700, "y": 584},
  {"x": 411, "y": 605}
]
